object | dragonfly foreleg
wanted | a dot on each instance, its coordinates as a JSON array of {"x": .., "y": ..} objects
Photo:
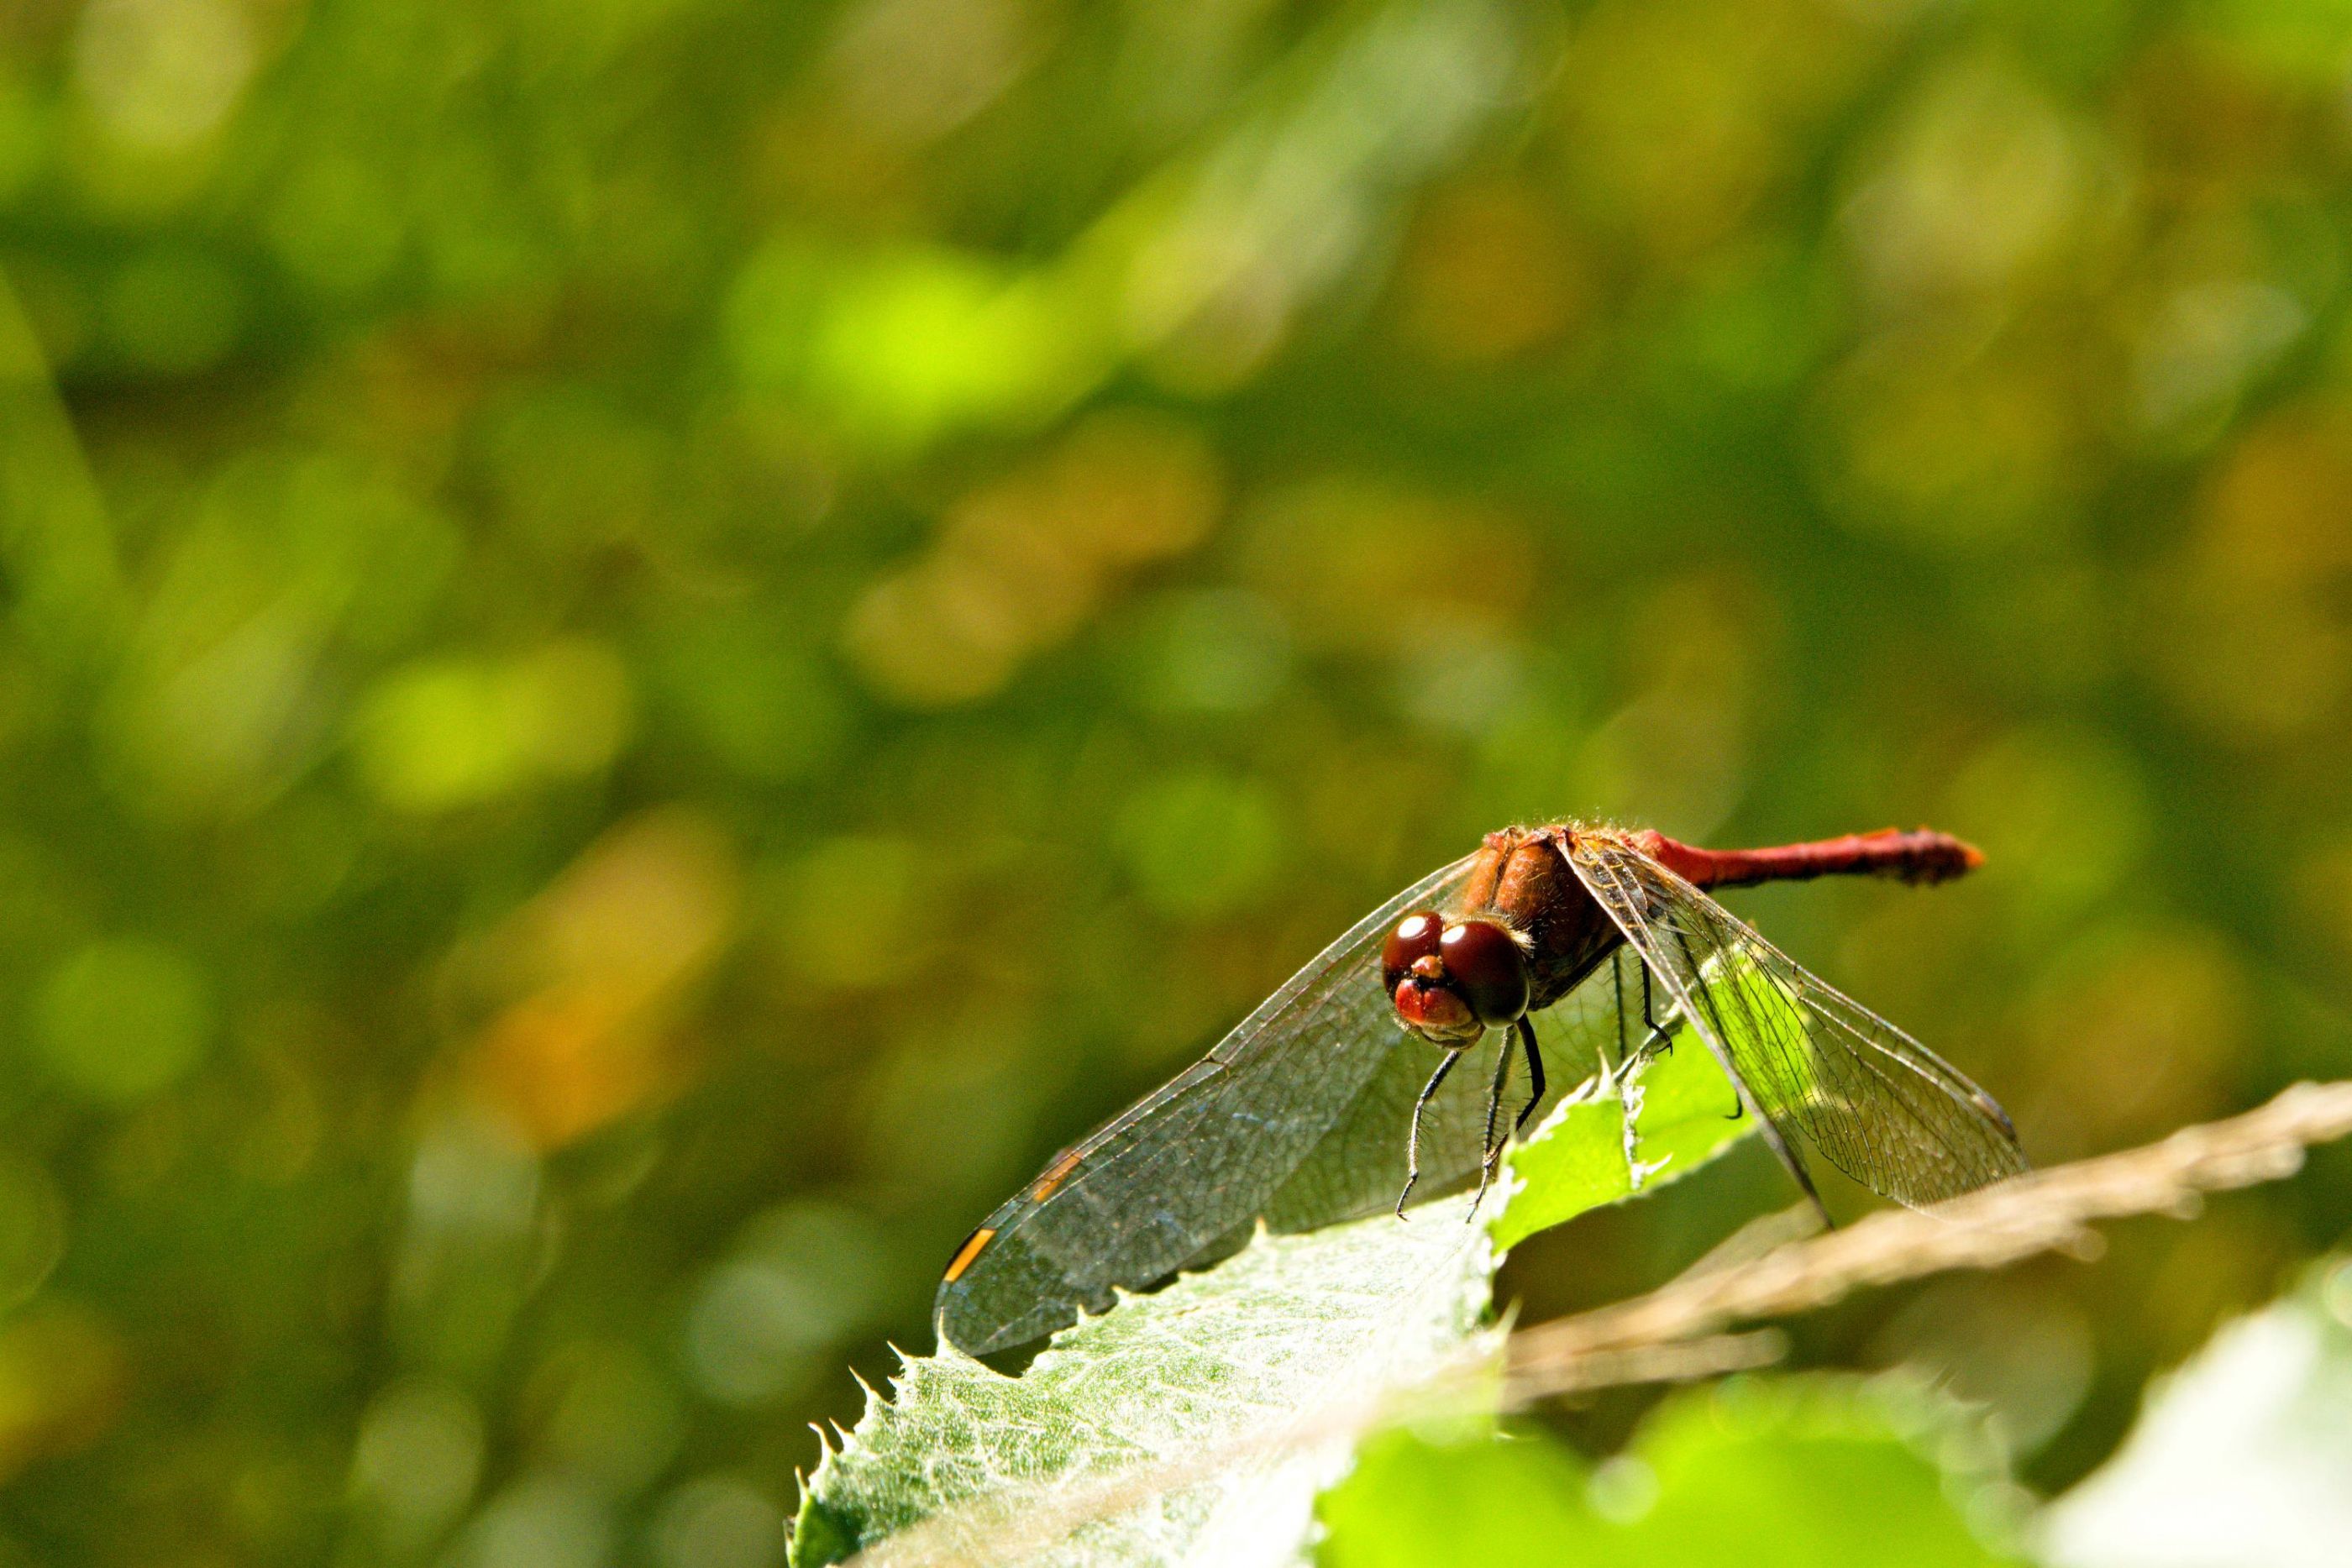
[{"x": 1413, "y": 1138}]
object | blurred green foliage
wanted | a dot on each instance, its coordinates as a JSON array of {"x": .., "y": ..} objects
[
  {"x": 1779, "y": 1473},
  {"x": 649, "y": 647}
]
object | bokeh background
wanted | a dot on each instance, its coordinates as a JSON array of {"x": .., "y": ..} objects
[{"x": 647, "y": 646}]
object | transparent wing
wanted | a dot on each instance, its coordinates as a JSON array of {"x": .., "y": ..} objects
[
  {"x": 1877, "y": 1104},
  {"x": 1282, "y": 1119}
]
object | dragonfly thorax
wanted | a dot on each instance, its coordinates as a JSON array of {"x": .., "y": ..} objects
[{"x": 1454, "y": 980}]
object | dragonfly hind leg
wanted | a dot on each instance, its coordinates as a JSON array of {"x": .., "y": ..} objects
[{"x": 1661, "y": 1040}]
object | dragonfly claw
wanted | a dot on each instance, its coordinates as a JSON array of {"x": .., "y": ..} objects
[{"x": 1486, "y": 1176}]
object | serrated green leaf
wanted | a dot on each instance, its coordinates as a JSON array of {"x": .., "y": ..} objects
[
  {"x": 1289, "y": 1325},
  {"x": 1586, "y": 1154}
]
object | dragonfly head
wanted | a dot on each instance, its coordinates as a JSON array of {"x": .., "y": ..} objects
[{"x": 1451, "y": 981}]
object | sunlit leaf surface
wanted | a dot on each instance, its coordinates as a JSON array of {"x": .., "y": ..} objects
[
  {"x": 1290, "y": 1326},
  {"x": 2243, "y": 1457},
  {"x": 1287, "y": 1326}
]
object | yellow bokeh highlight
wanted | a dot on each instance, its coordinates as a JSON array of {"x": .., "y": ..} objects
[{"x": 447, "y": 734}]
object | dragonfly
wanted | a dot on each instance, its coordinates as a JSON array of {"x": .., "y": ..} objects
[{"x": 1323, "y": 1104}]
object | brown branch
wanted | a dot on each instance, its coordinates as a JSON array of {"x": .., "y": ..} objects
[{"x": 2044, "y": 1211}]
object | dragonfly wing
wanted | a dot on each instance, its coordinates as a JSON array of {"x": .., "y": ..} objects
[
  {"x": 1877, "y": 1104},
  {"x": 1202, "y": 1156}
]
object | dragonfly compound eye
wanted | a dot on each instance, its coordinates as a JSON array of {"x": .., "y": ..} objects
[
  {"x": 1414, "y": 938},
  {"x": 1488, "y": 968}
]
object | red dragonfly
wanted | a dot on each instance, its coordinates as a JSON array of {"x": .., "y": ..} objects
[{"x": 1307, "y": 1113}]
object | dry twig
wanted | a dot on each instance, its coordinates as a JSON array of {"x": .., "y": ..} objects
[{"x": 2048, "y": 1211}]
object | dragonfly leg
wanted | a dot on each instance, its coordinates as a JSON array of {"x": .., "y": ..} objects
[
  {"x": 1661, "y": 1038},
  {"x": 1494, "y": 1150},
  {"x": 1616, "y": 979},
  {"x": 1413, "y": 1138},
  {"x": 1535, "y": 1072}
]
